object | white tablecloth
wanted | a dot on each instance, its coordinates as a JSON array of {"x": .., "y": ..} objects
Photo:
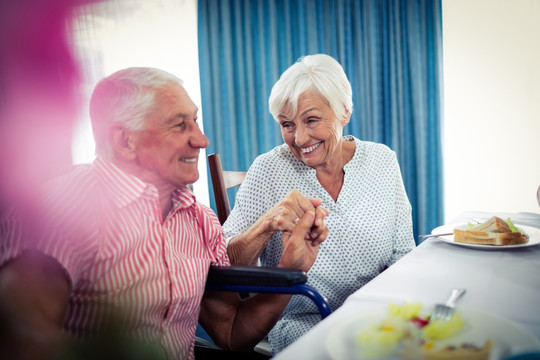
[{"x": 503, "y": 283}]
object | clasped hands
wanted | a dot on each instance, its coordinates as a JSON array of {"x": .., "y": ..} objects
[{"x": 301, "y": 220}]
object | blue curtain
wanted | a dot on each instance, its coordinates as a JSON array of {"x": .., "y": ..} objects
[{"x": 391, "y": 51}]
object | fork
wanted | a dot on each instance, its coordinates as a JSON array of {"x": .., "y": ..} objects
[
  {"x": 444, "y": 311},
  {"x": 434, "y": 235},
  {"x": 476, "y": 221}
]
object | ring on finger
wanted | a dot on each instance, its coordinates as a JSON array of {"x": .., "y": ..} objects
[{"x": 296, "y": 221}]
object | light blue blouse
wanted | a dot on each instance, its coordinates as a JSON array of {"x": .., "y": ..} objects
[{"x": 370, "y": 225}]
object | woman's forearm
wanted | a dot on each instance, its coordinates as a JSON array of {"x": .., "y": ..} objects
[{"x": 245, "y": 248}]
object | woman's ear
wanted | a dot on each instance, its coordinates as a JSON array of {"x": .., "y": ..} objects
[
  {"x": 121, "y": 141},
  {"x": 346, "y": 116}
]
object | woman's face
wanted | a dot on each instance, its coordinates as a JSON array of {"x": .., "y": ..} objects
[{"x": 313, "y": 133}]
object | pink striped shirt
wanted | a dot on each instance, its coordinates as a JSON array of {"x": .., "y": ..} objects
[{"x": 104, "y": 227}]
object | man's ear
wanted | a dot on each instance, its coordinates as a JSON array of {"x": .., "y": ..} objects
[{"x": 121, "y": 140}]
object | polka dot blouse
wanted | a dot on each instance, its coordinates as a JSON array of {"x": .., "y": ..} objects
[{"x": 370, "y": 225}]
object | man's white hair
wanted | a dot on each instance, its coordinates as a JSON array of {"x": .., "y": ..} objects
[{"x": 126, "y": 97}]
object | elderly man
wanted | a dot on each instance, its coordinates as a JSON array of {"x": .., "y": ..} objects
[{"x": 125, "y": 244}]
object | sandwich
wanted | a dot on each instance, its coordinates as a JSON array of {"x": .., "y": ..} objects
[{"x": 494, "y": 231}]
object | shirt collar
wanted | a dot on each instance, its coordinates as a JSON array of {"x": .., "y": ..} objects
[{"x": 183, "y": 198}]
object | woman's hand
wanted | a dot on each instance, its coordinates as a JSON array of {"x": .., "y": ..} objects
[{"x": 285, "y": 214}]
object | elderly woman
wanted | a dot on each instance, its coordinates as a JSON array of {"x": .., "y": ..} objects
[{"x": 355, "y": 187}]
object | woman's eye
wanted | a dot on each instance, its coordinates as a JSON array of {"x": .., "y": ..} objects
[{"x": 286, "y": 125}]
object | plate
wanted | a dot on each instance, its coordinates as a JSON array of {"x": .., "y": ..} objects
[
  {"x": 532, "y": 233},
  {"x": 508, "y": 338}
]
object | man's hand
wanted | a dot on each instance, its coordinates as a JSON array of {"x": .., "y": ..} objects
[
  {"x": 34, "y": 293},
  {"x": 299, "y": 253}
]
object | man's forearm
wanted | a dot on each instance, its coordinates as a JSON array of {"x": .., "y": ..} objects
[{"x": 256, "y": 316}]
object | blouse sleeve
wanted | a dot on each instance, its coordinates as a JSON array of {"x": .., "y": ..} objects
[{"x": 250, "y": 201}]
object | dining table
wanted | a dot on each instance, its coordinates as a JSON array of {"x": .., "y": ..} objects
[{"x": 500, "y": 282}]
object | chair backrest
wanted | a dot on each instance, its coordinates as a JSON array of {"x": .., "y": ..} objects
[{"x": 221, "y": 181}]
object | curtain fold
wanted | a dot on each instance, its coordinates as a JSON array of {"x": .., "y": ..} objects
[{"x": 391, "y": 50}]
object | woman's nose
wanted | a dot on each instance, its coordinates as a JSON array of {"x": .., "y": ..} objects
[{"x": 301, "y": 136}]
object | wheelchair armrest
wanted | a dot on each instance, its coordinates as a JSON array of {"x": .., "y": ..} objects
[
  {"x": 254, "y": 276},
  {"x": 264, "y": 280}
]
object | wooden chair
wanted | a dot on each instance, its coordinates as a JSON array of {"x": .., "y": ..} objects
[{"x": 221, "y": 181}]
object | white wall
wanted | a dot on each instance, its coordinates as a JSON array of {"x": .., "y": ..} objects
[{"x": 492, "y": 105}]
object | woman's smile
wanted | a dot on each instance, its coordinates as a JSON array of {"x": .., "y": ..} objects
[{"x": 307, "y": 150}]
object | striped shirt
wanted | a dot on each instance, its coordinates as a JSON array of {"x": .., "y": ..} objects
[{"x": 104, "y": 227}]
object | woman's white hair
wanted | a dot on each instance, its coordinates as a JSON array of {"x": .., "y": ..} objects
[
  {"x": 126, "y": 97},
  {"x": 320, "y": 73}
]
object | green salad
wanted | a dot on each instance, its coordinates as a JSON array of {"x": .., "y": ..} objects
[{"x": 405, "y": 329}]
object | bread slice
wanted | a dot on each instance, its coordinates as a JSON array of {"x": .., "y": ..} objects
[
  {"x": 493, "y": 224},
  {"x": 463, "y": 352},
  {"x": 494, "y": 231}
]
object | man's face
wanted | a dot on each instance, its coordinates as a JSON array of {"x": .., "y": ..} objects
[{"x": 167, "y": 150}]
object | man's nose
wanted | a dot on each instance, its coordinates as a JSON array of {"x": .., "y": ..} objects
[{"x": 198, "y": 139}]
